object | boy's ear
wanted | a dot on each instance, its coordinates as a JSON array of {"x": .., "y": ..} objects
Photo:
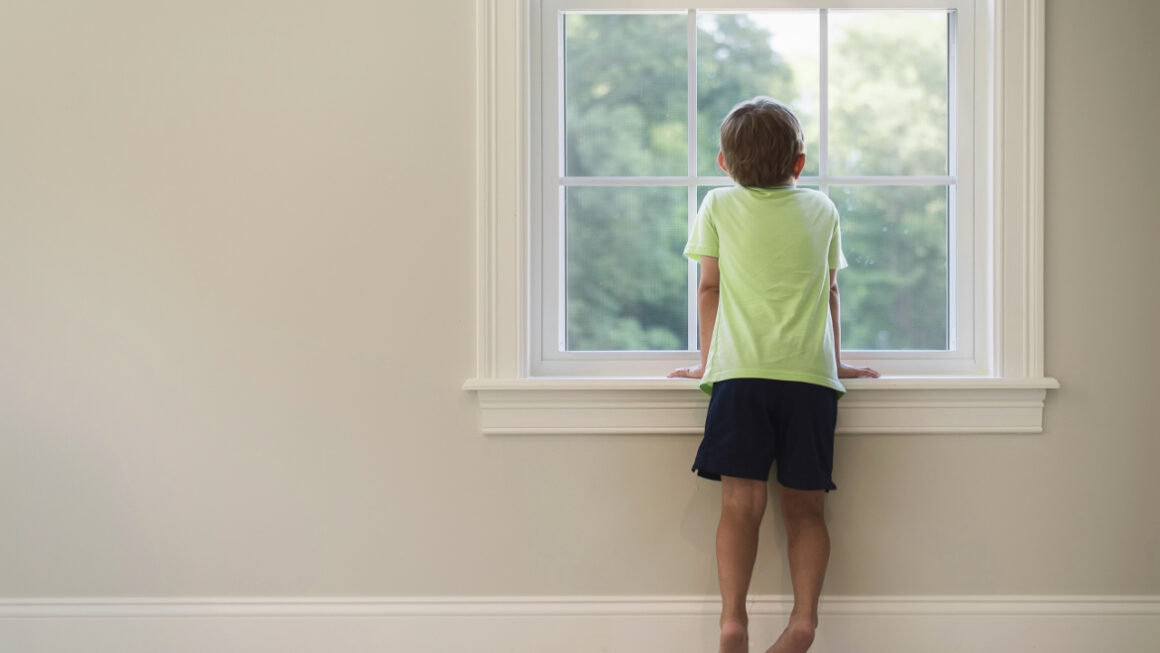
[
  {"x": 798, "y": 165},
  {"x": 721, "y": 161}
]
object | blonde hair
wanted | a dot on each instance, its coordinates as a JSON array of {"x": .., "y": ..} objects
[{"x": 761, "y": 140}]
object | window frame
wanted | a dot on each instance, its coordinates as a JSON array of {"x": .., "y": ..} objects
[
  {"x": 966, "y": 353},
  {"x": 1007, "y": 396}
]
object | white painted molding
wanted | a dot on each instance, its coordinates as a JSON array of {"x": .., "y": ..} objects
[
  {"x": 501, "y": 186},
  {"x": 669, "y": 406},
  {"x": 1006, "y": 398},
  {"x": 910, "y": 624},
  {"x": 574, "y": 606}
]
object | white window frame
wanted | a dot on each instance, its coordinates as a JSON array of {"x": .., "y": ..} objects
[
  {"x": 966, "y": 354},
  {"x": 1002, "y": 390}
]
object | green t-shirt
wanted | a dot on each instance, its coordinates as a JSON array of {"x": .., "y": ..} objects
[{"x": 775, "y": 248}]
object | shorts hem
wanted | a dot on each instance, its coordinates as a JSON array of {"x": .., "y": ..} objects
[
  {"x": 807, "y": 486},
  {"x": 716, "y": 475}
]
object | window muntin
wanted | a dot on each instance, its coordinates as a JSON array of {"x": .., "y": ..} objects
[{"x": 905, "y": 320}]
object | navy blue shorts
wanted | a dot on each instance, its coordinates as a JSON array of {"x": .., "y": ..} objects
[{"x": 753, "y": 422}]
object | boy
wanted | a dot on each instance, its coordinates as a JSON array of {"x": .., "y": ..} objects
[{"x": 770, "y": 358}]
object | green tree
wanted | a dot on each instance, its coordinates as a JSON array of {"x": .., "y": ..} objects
[
  {"x": 888, "y": 116},
  {"x": 626, "y": 115},
  {"x": 626, "y": 84},
  {"x": 735, "y": 61}
]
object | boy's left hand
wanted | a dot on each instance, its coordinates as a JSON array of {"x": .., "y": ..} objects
[
  {"x": 850, "y": 372},
  {"x": 694, "y": 372}
]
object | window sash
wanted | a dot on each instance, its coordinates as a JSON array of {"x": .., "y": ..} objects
[{"x": 966, "y": 304}]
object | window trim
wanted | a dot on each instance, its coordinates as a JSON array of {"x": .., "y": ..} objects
[{"x": 1009, "y": 398}]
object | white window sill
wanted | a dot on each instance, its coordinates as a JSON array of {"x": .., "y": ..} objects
[{"x": 677, "y": 406}]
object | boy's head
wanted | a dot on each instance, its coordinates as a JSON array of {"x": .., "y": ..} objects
[{"x": 761, "y": 141}]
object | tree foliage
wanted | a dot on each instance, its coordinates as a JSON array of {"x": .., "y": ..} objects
[{"x": 626, "y": 115}]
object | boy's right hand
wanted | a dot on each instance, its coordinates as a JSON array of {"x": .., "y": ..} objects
[
  {"x": 850, "y": 372},
  {"x": 693, "y": 372}
]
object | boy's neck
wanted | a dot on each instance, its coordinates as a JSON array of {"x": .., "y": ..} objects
[{"x": 791, "y": 183}]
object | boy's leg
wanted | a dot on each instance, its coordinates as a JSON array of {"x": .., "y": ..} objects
[
  {"x": 808, "y": 545},
  {"x": 742, "y": 507}
]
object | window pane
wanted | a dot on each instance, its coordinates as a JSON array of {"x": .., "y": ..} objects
[
  {"x": 894, "y": 294},
  {"x": 888, "y": 93},
  {"x": 740, "y": 56},
  {"x": 627, "y": 279},
  {"x": 626, "y": 94}
]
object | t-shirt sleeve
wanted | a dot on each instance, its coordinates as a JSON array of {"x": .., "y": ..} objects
[
  {"x": 703, "y": 235},
  {"x": 837, "y": 258}
]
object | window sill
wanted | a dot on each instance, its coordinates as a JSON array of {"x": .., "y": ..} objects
[{"x": 676, "y": 406}]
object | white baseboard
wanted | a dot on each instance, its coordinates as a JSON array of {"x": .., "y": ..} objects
[{"x": 963, "y": 624}]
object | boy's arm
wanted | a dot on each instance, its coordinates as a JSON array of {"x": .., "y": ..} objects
[
  {"x": 844, "y": 371},
  {"x": 708, "y": 297}
]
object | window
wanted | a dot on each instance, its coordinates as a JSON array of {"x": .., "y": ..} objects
[
  {"x": 628, "y": 105},
  {"x": 944, "y": 236}
]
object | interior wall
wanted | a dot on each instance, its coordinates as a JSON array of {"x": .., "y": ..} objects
[{"x": 236, "y": 311}]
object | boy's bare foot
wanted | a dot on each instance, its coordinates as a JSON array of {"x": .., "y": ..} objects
[
  {"x": 734, "y": 637},
  {"x": 796, "y": 638}
]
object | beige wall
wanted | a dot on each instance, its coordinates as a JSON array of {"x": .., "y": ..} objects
[{"x": 236, "y": 259}]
